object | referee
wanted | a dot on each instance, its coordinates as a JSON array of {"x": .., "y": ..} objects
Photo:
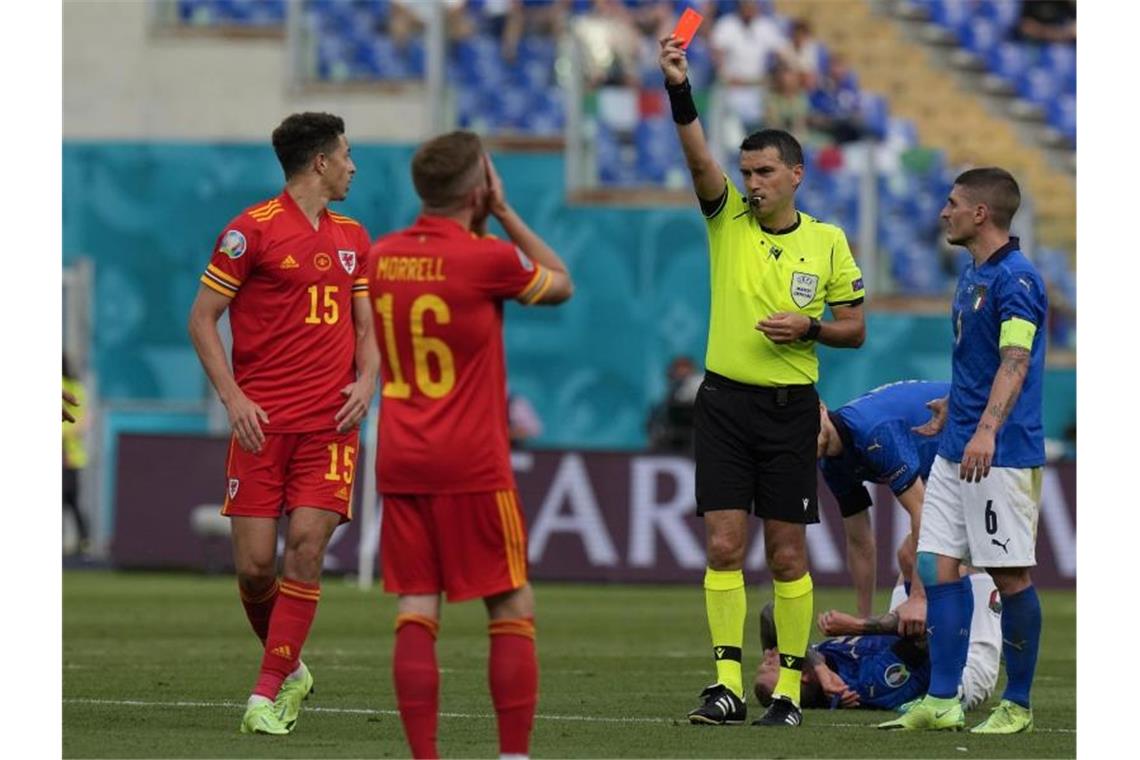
[{"x": 772, "y": 269}]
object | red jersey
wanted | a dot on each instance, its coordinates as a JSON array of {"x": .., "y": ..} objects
[
  {"x": 291, "y": 315},
  {"x": 437, "y": 295}
]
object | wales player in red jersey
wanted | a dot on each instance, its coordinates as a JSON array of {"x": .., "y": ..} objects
[
  {"x": 452, "y": 521},
  {"x": 291, "y": 273}
]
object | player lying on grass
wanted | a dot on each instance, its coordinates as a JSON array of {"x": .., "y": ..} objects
[{"x": 865, "y": 663}]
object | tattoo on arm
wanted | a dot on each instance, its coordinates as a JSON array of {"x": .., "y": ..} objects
[
  {"x": 883, "y": 624},
  {"x": 1014, "y": 366}
]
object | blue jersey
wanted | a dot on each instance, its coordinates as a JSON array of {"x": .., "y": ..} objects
[
  {"x": 885, "y": 671},
  {"x": 1004, "y": 287},
  {"x": 878, "y": 443}
]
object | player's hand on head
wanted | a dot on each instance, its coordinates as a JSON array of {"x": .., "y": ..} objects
[
  {"x": 939, "y": 409},
  {"x": 497, "y": 198},
  {"x": 784, "y": 328},
  {"x": 355, "y": 408},
  {"x": 674, "y": 63},
  {"x": 246, "y": 419}
]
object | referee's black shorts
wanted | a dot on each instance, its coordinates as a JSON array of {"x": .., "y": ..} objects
[{"x": 756, "y": 449}]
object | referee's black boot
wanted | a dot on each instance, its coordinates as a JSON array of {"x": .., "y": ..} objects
[
  {"x": 782, "y": 712},
  {"x": 721, "y": 708}
]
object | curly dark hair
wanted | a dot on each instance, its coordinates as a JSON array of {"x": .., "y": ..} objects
[{"x": 302, "y": 136}]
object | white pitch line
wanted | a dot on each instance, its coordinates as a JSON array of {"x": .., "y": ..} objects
[{"x": 480, "y": 716}]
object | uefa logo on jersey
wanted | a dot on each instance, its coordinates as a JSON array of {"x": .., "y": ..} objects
[
  {"x": 233, "y": 487},
  {"x": 896, "y": 675},
  {"x": 347, "y": 260},
  {"x": 233, "y": 244},
  {"x": 803, "y": 288}
]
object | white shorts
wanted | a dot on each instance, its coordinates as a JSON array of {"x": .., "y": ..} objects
[{"x": 988, "y": 524}]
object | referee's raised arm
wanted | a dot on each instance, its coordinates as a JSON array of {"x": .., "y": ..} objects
[{"x": 708, "y": 178}]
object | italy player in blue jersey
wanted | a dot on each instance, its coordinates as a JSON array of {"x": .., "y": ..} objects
[
  {"x": 865, "y": 663},
  {"x": 983, "y": 495},
  {"x": 875, "y": 438}
]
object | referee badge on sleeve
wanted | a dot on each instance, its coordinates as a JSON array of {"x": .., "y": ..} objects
[{"x": 803, "y": 288}]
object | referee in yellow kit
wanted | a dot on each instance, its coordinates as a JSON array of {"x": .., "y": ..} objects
[{"x": 772, "y": 269}]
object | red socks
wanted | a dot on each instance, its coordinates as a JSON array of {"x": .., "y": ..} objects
[
  {"x": 416, "y": 674},
  {"x": 512, "y": 671},
  {"x": 258, "y": 609},
  {"x": 289, "y": 624},
  {"x": 513, "y": 674}
]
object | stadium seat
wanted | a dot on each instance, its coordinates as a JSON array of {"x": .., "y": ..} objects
[
  {"x": 1004, "y": 13},
  {"x": 1062, "y": 115},
  {"x": 1039, "y": 85},
  {"x": 949, "y": 14},
  {"x": 873, "y": 110},
  {"x": 1009, "y": 60},
  {"x": 979, "y": 35}
]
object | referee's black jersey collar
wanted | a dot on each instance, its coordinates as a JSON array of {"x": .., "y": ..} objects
[
  {"x": 1013, "y": 244},
  {"x": 790, "y": 228}
]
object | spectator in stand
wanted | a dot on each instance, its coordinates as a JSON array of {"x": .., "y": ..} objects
[
  {"x": 804, "y": 53},
  {"x": 508, "y": 20},
  {"x": 410, "y": 17},
  {"x": 670, "y": 423},
  {"x": 787, "y": 107},
  {"x": 610, "y": 45},
  {"x": 743, "y": 42},
  {"x": 1047, "y": 21},
  {"x": 835, "y": 103}
]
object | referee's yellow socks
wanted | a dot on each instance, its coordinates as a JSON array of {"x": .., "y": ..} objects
[
  {"x": 727, "y": 607},
  {"x": 793, "y": 609}
]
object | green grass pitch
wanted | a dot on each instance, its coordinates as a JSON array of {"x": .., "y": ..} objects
[{"x": 160, "y": 665}]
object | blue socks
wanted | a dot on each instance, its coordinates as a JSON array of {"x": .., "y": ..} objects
[
  {"x": 1021, "y": 634},
  {"x": 949, "y": 609}
]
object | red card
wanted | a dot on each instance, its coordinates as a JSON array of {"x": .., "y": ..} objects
[{"x": 687, "y": 26}]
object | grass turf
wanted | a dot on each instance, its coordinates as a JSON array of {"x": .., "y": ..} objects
[{"x": 160, "y": 665}]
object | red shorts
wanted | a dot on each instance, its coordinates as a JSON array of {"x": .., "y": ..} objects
[
  {"x": 293, "y": 470},
  {"x": 470, "y": 545}
]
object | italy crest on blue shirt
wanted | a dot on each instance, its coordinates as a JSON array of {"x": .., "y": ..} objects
[{"x": 979, "y": 296}]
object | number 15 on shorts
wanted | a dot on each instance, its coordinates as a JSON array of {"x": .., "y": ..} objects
[{"x": 341, "y": 467}]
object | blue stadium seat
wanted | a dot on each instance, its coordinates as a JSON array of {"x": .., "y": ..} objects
[
  {"x": 873, "y": 109},
  {"x": 702, "y": 70},
  {"x": 415, "y": 58},
  {"x": 950, "y": 14},
  {"x": 1008, "y": 60},
  {"x": 1004, "y": 13},
  {"x": 1062, "y": 114},
  {"x": 979, "y": 35},
  {"x": 902, "y": 130},
  {"x": 1039, "y": 85},
  {"x": 1061, "y": 59}
]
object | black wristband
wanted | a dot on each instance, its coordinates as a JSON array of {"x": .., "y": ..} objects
[
  {"x": 813, "y": 329},
  {"x": 681, "y": 101}
]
